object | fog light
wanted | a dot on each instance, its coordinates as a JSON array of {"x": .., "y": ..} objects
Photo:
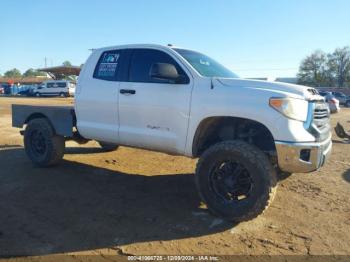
[{"x": 305, "y": 155}]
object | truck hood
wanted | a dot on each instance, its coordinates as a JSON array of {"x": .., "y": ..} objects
[{"x": 305, "y": 92}]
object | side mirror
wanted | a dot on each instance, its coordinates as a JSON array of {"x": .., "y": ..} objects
[{"x": 165, "y": 71}]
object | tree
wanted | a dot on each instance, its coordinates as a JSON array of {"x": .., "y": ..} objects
[
  {"x": 14, "y": 73},
  {"x": 67, "y": 63},
  {"x": 339, "y": 65},
  {"x": 320, "y": 69},
  {"x": 313, "y": 70},
  {"x": 32, "y": 73}
]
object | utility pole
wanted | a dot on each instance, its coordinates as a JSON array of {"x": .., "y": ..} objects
[{"x": 45, "y": 62}]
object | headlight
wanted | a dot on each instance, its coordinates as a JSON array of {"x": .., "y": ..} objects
[{"x": 291, "y": 107}]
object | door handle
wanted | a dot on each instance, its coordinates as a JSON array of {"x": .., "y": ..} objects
[{"x": 127, "y": 91}]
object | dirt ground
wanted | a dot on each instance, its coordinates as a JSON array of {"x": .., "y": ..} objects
[{"x": 137, "y": 202}]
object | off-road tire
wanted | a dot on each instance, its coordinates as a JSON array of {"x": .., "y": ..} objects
[
  {"x": 281, "y": 175},
  {"x": 108, "y": 147},
  {"x": 53, "y": 145},
  {"x": 259, "y": 168}
]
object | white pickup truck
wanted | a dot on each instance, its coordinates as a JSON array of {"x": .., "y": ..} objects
[{"x": 182, "y": 102}]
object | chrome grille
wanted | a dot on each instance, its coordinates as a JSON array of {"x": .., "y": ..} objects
[
  {"x": 321, "y": 114},
  {"x": 320, "y": 122}
]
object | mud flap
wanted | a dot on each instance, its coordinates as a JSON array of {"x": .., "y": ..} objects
[{"x": 339, "y": 130}]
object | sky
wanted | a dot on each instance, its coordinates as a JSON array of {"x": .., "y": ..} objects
[{"x": 253, "y": 38}]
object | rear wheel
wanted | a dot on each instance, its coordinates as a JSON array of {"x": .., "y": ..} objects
[
  {"x": 62, "y": 95},
  {"x": 235, "y": 180},
  {"x": 43, "y": 147},
  {"x": 108, "y": 147},
  {"x": 37, "y": 94}
]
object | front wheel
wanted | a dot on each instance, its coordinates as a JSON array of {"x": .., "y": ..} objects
[
  {"x": 43, "y": 147},
  {"x": 235, "y": 180}
]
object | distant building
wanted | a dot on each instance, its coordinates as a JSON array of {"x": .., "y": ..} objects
[
  {"x": 23, "y": 80},
  {"x": 57, "y": 72},
  {"x": 61, "y": 72},
  {"x": 258, "y": 78},
  {"x": 290, "y": 80}
]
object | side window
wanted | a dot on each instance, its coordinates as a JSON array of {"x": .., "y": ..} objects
[
  {"x": 56, "y": 85},
  {"x": 108, "y": 65},
  {"x": 62, "y": 84},
  {"x": 142, "y": 61}
]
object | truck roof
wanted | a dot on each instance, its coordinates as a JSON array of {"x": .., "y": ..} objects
[{"x": 150, "y": 46}]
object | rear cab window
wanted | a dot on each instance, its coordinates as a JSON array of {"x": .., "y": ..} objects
[{"x": 108, "y": 65}]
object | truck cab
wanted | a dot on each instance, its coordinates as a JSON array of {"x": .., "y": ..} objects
[{"x": 182, "y": 102}]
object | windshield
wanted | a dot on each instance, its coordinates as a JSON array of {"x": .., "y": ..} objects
[{"x": 205, "y": 65}]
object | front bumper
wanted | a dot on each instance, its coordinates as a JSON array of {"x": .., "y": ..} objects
[{"x": 303, "y": 157}]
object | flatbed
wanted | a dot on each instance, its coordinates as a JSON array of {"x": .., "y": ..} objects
[{"x": 62, "y": 118}]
